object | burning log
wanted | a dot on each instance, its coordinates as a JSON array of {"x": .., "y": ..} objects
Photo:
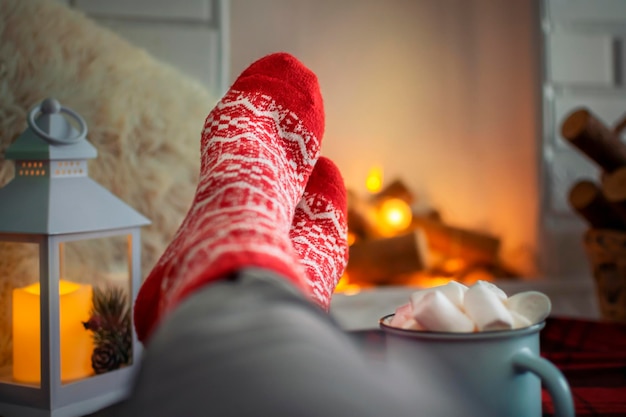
[
  {"x": 397, "y": 189},
  {"x": 370, "y": 219},
  {"x": 586, "y": 132},
  {"x": 361, "y": 218},
  {"x": 474, "y": 247},
  {"x": 394, "y": 242},
  {"x": 379, "y": 260},
  {"x": 593, "y": 205}
]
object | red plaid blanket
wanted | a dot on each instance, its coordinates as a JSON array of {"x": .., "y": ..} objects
[{"x": 592, "y": 355}]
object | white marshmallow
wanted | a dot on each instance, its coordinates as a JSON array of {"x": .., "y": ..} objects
[
  {"x": 398, "y": 321},
  {"x": 405, "y": 310},
  {"x": 485, "y": 307},
  {"x": 533, "y": 305},
  {"x": 411, "y": 324},
  {"x": 519, "y": 321},
  {"x": 455, "y": 292},
  {"x": 402, "y": 315},
  {"x": 493, "y": 287},
  {"x": 436, "y": 312}
]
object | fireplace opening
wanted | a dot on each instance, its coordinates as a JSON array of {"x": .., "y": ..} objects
[{"x": 395, "y": 239}]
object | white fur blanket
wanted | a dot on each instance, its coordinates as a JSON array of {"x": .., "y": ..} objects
[{"x": 144, "y": 118}]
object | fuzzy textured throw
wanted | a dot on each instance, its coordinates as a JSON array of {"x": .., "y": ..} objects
[{"x": 144, "y": 117}]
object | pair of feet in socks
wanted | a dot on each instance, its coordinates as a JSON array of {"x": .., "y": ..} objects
[{"x": 265, "y": 197}]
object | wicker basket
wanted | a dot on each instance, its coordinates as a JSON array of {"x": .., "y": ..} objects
[{"x": 606, "y": 250}]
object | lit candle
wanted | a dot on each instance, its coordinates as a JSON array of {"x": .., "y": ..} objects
[{"x": 76, "y": 342}]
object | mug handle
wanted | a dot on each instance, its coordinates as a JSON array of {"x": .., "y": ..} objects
[{"x": 552, "y": 377}]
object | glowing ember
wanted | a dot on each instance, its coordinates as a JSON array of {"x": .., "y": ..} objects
[
  {"x": 344, "y": 286},
  {"x": 351, "y": 238},
  {"x": 454, "y": 265},
  {"x": 427, "y": 281}
]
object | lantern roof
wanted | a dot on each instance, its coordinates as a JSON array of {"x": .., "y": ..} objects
[
  {"x": 51, "y": 136},
  {"x": 51, "y": 192},
  {"x": 63, "y": 206}
]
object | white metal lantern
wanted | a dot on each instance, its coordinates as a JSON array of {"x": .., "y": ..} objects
[{"x": 67, "y": 345}]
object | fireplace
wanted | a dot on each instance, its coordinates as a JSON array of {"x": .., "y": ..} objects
[
  {"x": 461, "y": 101},
  {"x": 395, "y": 239}
]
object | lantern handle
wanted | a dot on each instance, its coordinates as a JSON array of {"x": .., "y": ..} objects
[{"x": 50, "y": 106}]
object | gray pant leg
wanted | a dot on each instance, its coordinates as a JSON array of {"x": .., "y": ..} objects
[{"x": 252, "y": 346}]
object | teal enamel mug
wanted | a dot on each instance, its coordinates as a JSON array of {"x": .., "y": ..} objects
[{"x": 493, "y": 373}]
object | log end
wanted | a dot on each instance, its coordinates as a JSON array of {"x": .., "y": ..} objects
[
  {"x": 614, "y": 185},
  {"x": 575, "y": 124},
  {"x": 583, "y": 193}
]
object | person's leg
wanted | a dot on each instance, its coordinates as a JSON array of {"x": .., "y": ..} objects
[
  {"x": 252, "y": 345},
  {"x": 226, "y": 314},
  {"x": 319, "y": 231},
  {"x": 258, "y": 149}
]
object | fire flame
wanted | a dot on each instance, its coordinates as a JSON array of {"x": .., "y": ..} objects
[
  {"x": 344, "y": 286},
  {"x": 374, "y": 181},
  {"x": 395, "y": 214}
]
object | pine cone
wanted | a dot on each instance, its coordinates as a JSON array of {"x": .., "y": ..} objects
[
  {"x": 123, "y": 342},
  {"x": 94, "y": 324},
  {"x": 110, "y": 307},
  {"x": 106, "y": 357},
  {"x": 111, "y": 325}
]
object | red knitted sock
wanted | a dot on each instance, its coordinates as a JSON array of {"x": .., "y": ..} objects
[
  {"x": 259, "y": 146},
  {"x": 319, "y": 231}
]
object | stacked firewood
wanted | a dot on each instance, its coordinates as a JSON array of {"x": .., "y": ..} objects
[
  {"x": 600, "y": 202},
  {"x": 426, "y": 246}
]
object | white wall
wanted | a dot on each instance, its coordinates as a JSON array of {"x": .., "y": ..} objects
[
  {"x": 191, "y": 35},
  {"x": 441, "y": 93}
]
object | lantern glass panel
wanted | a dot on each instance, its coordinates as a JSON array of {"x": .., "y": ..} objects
[
  {"x": 95, "y": 310},
  {"x": 20, "y": 314}
]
